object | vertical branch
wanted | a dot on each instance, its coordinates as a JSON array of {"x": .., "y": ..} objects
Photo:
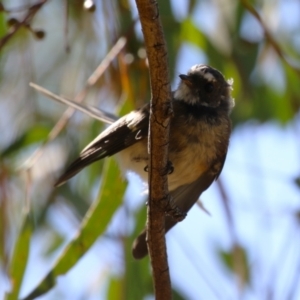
[{"x": 158, "y": 144}]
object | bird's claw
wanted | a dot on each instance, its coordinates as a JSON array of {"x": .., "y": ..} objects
[
  {"x": 169, "y": 167},
  {"x": 173, "y": 210}
]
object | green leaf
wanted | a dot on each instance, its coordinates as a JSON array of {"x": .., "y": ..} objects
[
  {"x": 93, "y": 225},
  {"x": 236, "y": 261},
  {"x": 55, "y": 242},
  {"x": 192, "y": 5},
  {"x": 192, "y": 34},
  {"x": 136, "y": 271},
  {"x": 19, "y": 258},
  {"x": 269, "y": 104},
  {"x": 292, "y": 87},
  {"x": 115, "y": 289},
  {"x": 31, "y": 136},
  {"x": 176, "y": 295},
  {"x": 3, "y": 25},
  {"x": 172, "y": 27}
]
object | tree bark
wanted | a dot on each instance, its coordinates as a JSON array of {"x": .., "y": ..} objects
[{"x": 161, "y": 112}]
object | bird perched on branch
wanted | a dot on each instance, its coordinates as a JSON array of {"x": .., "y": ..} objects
[{"x": 199, "y": 137}]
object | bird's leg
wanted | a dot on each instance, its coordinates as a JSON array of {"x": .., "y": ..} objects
[
  {"x": 169, "y": 169},
  {"x": 171, "y": 209},
  {"x": 168, "y": 205}
]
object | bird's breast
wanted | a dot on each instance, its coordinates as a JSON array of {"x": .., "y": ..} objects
[
  {"x": 192, "y": 151},
  {"x": 135, "y": 159},
  {"x": 196, "y": 145}
]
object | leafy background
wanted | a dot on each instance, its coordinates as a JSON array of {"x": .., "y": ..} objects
[{"x": 248, "y": 248}]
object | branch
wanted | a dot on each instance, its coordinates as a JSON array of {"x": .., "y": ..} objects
[
  {"x": 115, "y": 50},
  {"x": 239, "y": 266},
  {"x": 269, "y": 37},
  {"x": 160, "y": 115},
  {"x": 26, "y": 20}
]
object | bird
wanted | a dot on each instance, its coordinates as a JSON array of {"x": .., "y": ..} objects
[{"x": 199, "y": 137}]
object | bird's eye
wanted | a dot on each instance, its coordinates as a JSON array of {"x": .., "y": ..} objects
[{"x": 209, "y": 87}]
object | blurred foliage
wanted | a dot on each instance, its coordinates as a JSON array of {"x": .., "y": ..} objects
[
  {"x": 59, "y": 46},
  {"x": 236, "y": 261},
  {"x": 19, "y": 258},
  {"x": 102, "y": 209}
]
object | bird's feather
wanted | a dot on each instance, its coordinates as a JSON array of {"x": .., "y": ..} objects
[
  {"x": 133, "y": 127},
  {"x": 185, "y": 197}
]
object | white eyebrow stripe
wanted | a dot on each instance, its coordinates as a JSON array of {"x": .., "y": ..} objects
[
  {"x": 209, "y": 77},
  {"x": 194, "y": 68}
]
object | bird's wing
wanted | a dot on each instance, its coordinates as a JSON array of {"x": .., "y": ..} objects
[
  {"x": 185, "y": 197},
  {"x": 125, "y": 132}
]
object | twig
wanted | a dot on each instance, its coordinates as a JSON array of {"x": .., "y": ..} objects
[
  {"x": 27, "y": 19},
  {"x": 269, "y": 36},
  {"x": 66, "y": 27},
  {"x": 228, "y": 213},
  {"x": 115, "y": 50},
  {"x": 160, "y": 114},
  {"x": 91, "y": 111},
  {"x": 238, "y": 262}
]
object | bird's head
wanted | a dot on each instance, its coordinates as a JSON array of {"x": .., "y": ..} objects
[{"x": 205, "y": 86}]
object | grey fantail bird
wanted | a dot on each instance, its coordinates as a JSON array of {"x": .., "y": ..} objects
[{"x": 199, "y": 137}]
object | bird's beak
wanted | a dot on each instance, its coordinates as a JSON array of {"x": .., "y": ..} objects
[{"x": 186, "y": 79}]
